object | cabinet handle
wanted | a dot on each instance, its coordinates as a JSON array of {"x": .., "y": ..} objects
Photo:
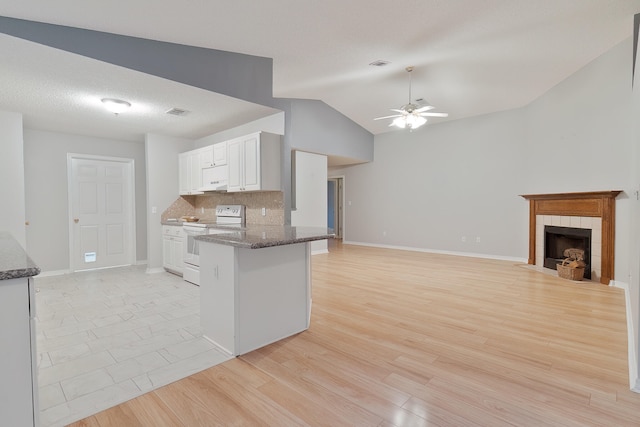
[{"x": 76, "y": 220}]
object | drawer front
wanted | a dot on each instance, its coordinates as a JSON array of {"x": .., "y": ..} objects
[{"x": 173, "y": 230}]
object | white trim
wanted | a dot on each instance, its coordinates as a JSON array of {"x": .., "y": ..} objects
[
  {"x": 53, "y": 273},
  {"x": 141, "y": 262},
  {"x": 155, "y": 270},
  {"x": 320, "y": 251},
  {"x": 634, "y": 380},
  {"x": 344, "y": 205},
  {"x": 132, "y": 187},
  {"x": 437, "y": 251}
]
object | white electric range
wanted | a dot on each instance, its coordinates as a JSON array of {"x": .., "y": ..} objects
[{"x": 228, "y": 217}]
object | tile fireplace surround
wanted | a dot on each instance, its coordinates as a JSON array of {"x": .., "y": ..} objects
[{"x": 594, "y": 210}]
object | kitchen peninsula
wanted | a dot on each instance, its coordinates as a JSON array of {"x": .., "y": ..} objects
[
  {"x": 255, "y": 285},
  {"x": 18, "y": 371}
]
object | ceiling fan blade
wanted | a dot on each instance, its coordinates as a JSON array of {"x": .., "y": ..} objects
[
  {"x": 425, "y": 108},
  {"x": 434, "y": 114},
  {"x": 399, "y": 111},
  {"x": 388, "y": 117}
]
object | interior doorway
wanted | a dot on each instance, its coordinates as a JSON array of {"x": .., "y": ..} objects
[
  {"x": 101, "y": 212},
  {"x": 335, "y": 201}
]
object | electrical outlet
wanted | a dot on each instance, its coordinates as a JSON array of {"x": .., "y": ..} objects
[
  {"x": 464, "y": 238},
  {"x": 201, "y": 210},
  {"x": 154, "y": 209},
  {"x": 384, "y": 234},
  {"x": 264, "y": 211},
  {"x": 477, "y": 239}
]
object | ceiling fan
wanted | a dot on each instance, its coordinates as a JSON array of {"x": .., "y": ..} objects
[{"x": 411, "y": 115}]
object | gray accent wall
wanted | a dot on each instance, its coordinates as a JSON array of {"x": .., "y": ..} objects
[
  {"x": 237, "y": 75},
  {"x": 47, "y": 202}
]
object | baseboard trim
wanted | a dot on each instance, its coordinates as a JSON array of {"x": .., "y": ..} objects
[
  {"x": 634, "y": 380},
  {"x": 437, "y": 251},
  {"x": 141, "y": 262},
  {"x": 155, "y": 270},
  {"x": 53, "y": 273},
  {"x": 321, "y": 251}
]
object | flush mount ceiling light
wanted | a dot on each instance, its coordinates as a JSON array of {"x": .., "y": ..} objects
[
  {"x": 411, "y": 115},
  {"x": 116, "y": 106}
]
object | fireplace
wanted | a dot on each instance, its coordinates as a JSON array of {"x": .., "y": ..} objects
[
  {"x": 558, "y": 239},
  {"x": 595, "y": 210}
]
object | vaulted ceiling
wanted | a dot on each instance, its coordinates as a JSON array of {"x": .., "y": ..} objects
[{"x": 471, "y": 57}]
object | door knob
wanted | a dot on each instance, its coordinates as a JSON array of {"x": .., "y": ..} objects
[{"x": 76, "y": 220}]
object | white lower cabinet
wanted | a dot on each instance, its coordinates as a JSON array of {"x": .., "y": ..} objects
[
  {"x": 250, "y": 298},
  {"x": 173, "y": 241},
  {"x": 18, "y": 370}
]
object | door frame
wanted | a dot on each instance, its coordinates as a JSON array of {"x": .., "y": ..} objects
[
  {"x": 132, "y": 202},
  {"x": 341, "y": 185}
]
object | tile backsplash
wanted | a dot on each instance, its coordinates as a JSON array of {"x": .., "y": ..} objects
[{"x": 203, "y": 206}]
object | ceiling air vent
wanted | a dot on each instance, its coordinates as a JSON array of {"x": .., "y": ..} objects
[
  {"x": 379, "y": 63},
  {"x": 177, "y": 112}
]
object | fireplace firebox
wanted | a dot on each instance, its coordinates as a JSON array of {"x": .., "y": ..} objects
[{"x": 557, "y": 239}]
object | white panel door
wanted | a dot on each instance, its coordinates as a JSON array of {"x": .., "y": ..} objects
[{"x": 101, "y": 206}]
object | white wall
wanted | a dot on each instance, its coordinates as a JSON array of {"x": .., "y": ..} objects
[
  {"x": 634, "y": 280},
  {"x": 47, "y": 206},
  {"x": 582, "y": 131},
  {"x": 311, "y": 194},
  {"x": 464, "y": 177},
  {"x": 12, "y": 182},
  {"x": 445, "y": 182},
  {"x": 162, "y": 188}
]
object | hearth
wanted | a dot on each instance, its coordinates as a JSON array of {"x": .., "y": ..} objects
[{"x": 557, "y": 239}]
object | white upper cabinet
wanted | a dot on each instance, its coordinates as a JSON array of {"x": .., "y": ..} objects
[
  {"x": 206, "y": 157},
  {"x": 190, "y": 172},
  {"x": 220, "y": 154},
  {"x": 254, "y": 162}
]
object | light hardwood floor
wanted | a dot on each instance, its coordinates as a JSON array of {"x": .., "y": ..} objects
[{"x": 403, "y": 338}]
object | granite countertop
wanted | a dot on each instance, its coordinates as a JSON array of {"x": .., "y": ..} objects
[
  {"x": 265, "y": 236},
  {"x": 14, "y": 261},
  {"x": 180, "y": 223}
]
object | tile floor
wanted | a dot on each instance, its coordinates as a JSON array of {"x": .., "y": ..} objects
[{"x": 107, "y": 336}]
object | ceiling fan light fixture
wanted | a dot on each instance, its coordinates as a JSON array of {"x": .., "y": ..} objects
[
  {"x": 412, "y": 115},
  {"x": 116, "y": 106},
  {"x": 399, "y": 122},
  {"x": 411, "y": 121}
]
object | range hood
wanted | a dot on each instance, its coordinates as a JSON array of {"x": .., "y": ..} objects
[
  {"x": 218, "y": 186},
  {"x": 215, "y": 178}
]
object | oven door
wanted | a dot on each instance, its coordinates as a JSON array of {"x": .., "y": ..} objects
[{"x": 191, "y": 250}]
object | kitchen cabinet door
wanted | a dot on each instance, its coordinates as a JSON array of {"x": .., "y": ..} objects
[
  {"x": 254, "y": 163},
  {"x": 220, "y": 154},
  {"x": 190, "y": 172},
  {"x": 173, "y": 249},
  {"x": 184, "y": 173},
  {"x": 207, "y": 157},
  {"x": 235, "y": 152}
]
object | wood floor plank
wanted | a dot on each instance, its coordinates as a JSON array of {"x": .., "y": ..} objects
[{"x": 401, "y": 338}]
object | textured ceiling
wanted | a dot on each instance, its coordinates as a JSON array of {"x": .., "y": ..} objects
[{"x": 471, "y": 57}]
